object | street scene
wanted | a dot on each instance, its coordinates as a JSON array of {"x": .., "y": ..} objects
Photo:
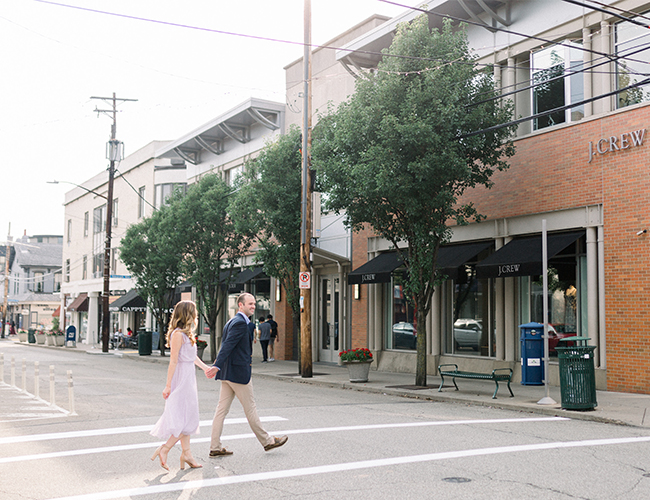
[
  {"x": 344, "y": 441},
  {"x": 325, "y": 249}
]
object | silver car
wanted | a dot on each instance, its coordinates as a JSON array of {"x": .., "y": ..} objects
[{"x": 468, "y": 333}]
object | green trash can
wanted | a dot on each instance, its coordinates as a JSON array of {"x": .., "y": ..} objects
[
  {"x": 31, "y": 338},
  {"x": 577, "y": 375},
  {"x": 144, "y": 343}
]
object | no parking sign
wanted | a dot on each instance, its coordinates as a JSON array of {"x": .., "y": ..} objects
[{"x": 304, "y": 280}]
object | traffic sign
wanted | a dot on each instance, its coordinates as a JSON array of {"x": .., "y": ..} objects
[{"x": 304, "y": 280}]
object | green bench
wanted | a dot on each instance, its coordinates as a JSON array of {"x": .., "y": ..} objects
[{"x": 498, "y": 375}]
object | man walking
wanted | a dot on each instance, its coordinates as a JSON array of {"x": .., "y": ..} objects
[
  {"x": 274, "y": 335},
  {"x": 233, "y": 368},
  {"x": 265, "y": 336}
]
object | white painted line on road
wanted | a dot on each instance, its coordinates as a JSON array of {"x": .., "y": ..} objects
[
  {"x": 364, "y": 464},
  {"x": 110, "y": 449},
  {"x": 115, "y": 430}
]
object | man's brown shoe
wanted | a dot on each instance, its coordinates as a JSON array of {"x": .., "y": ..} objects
[
  {"x": 220, "y": 453},
  {"x": 277, "y": 442}
]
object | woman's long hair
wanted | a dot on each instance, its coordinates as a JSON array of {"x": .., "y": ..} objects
[{"x": 183, "y": 319}]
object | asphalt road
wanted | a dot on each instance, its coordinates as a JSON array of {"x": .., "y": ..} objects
[{"x": 342, "y": 444}]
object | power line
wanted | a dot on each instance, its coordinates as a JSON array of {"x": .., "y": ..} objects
[
  {"x": 555, "y": 110},
  {"x": 591, "y": 7},
  {"x": 620, "y": 10},
  {"x": 562, "y": 76},
  {"x": 302, "y": 44},
  {"x": 503, "y": 30}
]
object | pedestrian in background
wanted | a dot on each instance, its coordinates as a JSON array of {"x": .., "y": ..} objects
[
  {"x": 233, "y": 368},
  {"x": 180, "y": 419},
  {"x": 265, "y": 336},
  {"x": 274, "y": 335}
]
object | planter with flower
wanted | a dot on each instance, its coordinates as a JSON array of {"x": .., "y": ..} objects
[
  {"x": 200, "y": 347},
  {"x": 358, "y": 363},
  {"x": 59, "y": 338},
  {"x": 40, "y": 336},
  {"x": 22, "y": 336}
]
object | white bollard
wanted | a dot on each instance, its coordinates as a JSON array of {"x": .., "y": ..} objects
[
  {"x": 24, "y": 375},
  {"x": 36, "y": 379},
  {"x": 13, "y": 371},
  {"x": 71, "y": 393},
  {"x": 52, "y": 401}
]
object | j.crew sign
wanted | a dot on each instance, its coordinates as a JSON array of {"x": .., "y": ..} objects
[{"x": 616, "y": 143}]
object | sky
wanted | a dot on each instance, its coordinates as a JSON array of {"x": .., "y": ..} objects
[{"x": 55, "y": 57}]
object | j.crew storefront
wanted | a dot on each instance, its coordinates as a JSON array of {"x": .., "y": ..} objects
[
  {"x": 594, "y": 195},
  {"x": 493, "y": 285}
]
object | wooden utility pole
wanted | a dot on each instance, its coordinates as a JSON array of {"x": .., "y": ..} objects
[
  {"x": 114, "y": 152},
  {"x": 306, "y": 229}
]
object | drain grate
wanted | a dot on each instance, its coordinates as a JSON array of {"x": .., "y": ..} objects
[{"x": 456, "y": 479}]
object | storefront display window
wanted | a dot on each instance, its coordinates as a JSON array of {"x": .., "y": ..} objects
[
  {"x": 472, "y": 320},
  {"x": 566, "y": 305},
  {"x": 402, "y": 319}
]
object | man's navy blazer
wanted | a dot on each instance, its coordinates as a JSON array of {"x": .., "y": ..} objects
[{"x": 236, "y": 354}]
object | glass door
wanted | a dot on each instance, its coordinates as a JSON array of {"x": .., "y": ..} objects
[{"x": 328, "y": 316}]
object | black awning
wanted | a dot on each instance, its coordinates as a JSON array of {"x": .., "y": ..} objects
[
  {"x": 523, "y": 256},
  {"x": 451, "y": 257},
  {"x": 250, "y": 274},
  {"x": 377, "y": 270},
  {"x": 131, "y": 302},
  {"x": 80, "y": 304}
]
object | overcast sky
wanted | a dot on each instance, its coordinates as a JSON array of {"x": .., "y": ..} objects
[{"x": 55, "y": 58}]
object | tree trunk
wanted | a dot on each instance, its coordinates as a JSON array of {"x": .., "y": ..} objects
[{"x": 421, "y": 363}]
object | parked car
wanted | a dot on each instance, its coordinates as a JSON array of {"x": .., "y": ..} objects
[
  {"x": 468, "y": 333},
  {"x": 556, "y": 334},
  {"x": 404, "y": 336}
]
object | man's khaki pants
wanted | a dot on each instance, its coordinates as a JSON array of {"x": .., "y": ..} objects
[{"x": 244, "y": 393}]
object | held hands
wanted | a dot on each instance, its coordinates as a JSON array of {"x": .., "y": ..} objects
[{"x": 211, "y": 372}]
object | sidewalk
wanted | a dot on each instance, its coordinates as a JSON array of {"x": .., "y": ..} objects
[{"x": 613, "y": 407}]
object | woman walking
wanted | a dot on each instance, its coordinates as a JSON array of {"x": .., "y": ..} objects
[{"x": 180, "y": 419}]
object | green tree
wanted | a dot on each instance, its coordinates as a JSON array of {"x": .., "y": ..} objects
[
  {"x": 153, "y": 257},
  {"x": 267, "y": 206},
  {"x": 392, "y": 157},
  {"x": 209, "y": 242}
]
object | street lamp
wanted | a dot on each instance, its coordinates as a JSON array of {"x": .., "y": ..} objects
[
  {"x": 113, "y": 153},
  {"x": 79, "y": 186}
]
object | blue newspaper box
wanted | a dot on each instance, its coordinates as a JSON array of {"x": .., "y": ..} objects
[
  {"x": 71, "y": 336},
  {"x": 532, "y": 354}
]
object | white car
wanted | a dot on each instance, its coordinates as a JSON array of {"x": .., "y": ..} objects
[{"x": 468, "y": 333}]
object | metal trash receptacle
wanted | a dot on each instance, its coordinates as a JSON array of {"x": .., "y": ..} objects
[
  {"x": 144, "y": 343},
  {"x": 577, "y": 375},
  {"x": 532, "y": 354},
  {"x": 31, "y": 335}
]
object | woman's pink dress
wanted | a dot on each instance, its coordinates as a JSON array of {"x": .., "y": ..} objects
[{"x": 181, "y": 414}]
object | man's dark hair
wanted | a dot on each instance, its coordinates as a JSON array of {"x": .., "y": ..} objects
[{"x": 270, "y": 316}]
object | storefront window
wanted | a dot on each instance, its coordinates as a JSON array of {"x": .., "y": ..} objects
[
  {"x": 402, "y": 319},
  {"x": 566, "y": 305},
  {"x": 261, "y": 289},
  {"x": 472, "y": 331}
]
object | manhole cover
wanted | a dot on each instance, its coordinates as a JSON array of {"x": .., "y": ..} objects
[{"x": 456, "y": 479}]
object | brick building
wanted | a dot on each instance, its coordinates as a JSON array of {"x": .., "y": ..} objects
[{"x": 581, "y": 169}]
